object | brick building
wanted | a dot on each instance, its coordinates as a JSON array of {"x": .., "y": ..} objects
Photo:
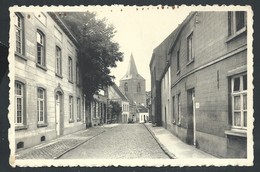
[
  {"x": 48, "y": 99},
  {"x": 201, "y": 82}
]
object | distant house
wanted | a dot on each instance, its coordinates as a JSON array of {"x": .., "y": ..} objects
[
  {"x": 114, "y": 94},
  {"x": 142, "y": 114}
]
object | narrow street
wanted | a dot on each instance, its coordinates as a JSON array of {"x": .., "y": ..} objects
[{"x": 126, "y": 141}]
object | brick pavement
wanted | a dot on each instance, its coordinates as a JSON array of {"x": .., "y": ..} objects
[{"x": 53, "y": 149}]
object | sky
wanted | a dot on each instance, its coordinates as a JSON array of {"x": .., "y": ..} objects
[{"x": 139, "y": 32}]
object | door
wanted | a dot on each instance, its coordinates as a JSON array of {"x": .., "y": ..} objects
[
  {"x": 191, "y": 116},
  {"x": 57, "y": 113}
]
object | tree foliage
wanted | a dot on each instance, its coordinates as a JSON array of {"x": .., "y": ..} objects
[
  {"x": 98, "y": 53},
  {"x": 116, "y": 109}
]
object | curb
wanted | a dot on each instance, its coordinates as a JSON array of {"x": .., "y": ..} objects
[
  {"x": 57, "y": 157},
  {"x": 165, "y": 150}
]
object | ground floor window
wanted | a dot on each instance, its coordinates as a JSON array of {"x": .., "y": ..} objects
[
  {"x": 19, "y": 103},
  {"x": 239, "y": 101},
  {"x": 71, "y": 108},
  {"x": 78, "y": 110},
  {"x": 179, "y": 108},
  {"x": 41, "y": 105}
]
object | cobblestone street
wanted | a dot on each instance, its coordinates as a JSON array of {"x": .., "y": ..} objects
[{"x": 126, "y": 141}]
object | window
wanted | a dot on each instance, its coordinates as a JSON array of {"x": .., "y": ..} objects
[
  {"x": 41, "y": 105},
  {"x": 19, "y": 33},
  {"x": 71, "y": 108},
  {"x": 138, "y": 87},
  {"x": 78, "y": 110},
  {"x": 236, "y": 21},
  {"x": 179, "y": 109},
  {"x": 178, "y": 61},
  {"x": 70, "y": 70},
  {"x": 173, "y": 109},
  {"x": 19, "y": 103},
  {"x": 190, "y": 48},
  {"x": 239, "y": 101},
  {"x": 126, "y": 87},
  {"x": 77, "y": 74},
  {"x": 58, "y": 61},
  {"x": 40, "y": 48}
]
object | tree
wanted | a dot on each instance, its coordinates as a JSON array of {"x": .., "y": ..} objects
[
  {"x": 98, "y": 53},
  {"x": 116, "y": 110}
]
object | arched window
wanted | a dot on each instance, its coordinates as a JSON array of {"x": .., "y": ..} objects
[
  {"x": 19, "y": 33},
  {"x": 138, "y": 87},
  {"x": 126, "y": 87},
  {"x": 41, "y": 105},
  {"x": 58, "y": 60},
  {"x": 40, "y": 48}
]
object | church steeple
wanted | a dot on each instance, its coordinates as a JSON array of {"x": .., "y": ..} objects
[{"x": 132, "y": 70}]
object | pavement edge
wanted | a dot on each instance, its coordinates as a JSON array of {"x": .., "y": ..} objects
[{"x": 165, "y": 150}]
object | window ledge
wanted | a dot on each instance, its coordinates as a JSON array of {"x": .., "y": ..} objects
[
  {"x": 174, "y": 122},
  {"x": 239, "y": 133},
  {"x": 235, "y": 35},
  {"x": 71, "y": 120},
  {"x": 21, "y": 56},
  {"x": 179, "y": 124},
  {"x": 78, "y": 120},
  {"x": 21, "y": 127},
  {"x": 39, "y": 125},
  {"x": 58, "y": 75},
  {"x": 189, "y": 62},
  {"x": 70, "y": 81},
  {"x": 41, "y": 66}
]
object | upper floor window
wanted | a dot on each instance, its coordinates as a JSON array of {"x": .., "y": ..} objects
[
  {"x": 70, "y": 69},
  {"x": 41, "y": 105},
  {"x": 239, "y": 101},
  {"x": 138, "y": 87},
  {"x": 19, "y": 33},
  {"x": 40, "y": 48},
  {"x": 190, "y": 47},
  {"x": 58, "y": 61},
  {"x": 236, "y": 21},
  {"x": 178, "y": 60},
  {"x": 126, "y": 87},
  {"x": 77, "y": 74}
]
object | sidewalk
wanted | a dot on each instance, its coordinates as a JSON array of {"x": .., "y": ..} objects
[
  {"x": 173, "y": 146},
  {"x": 54, "y": 149}
]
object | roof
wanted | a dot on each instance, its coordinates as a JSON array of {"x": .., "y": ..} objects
[
  {"x": 120, "y": 94},
  {"x": 132, "y": 70},
  {"x": 141, "y": 109}
]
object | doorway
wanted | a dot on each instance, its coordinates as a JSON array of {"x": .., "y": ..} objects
[
  {"x": 58, "y": 113},
  {"x": 191, "y": 138}
]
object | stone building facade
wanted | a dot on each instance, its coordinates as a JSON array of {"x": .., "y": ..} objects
[
  {"x": 133, "y": 86},
  {"x": 48, "y": 99},
  {"x": 205, "y": 75}
]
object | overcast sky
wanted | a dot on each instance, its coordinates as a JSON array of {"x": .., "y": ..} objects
[{"x": 139, "y": 32}]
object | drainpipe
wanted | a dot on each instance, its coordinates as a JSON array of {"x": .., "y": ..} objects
[{"x": 194, "y": 120}]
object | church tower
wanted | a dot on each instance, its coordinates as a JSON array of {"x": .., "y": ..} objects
[{"x": 133, "y": 85}]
